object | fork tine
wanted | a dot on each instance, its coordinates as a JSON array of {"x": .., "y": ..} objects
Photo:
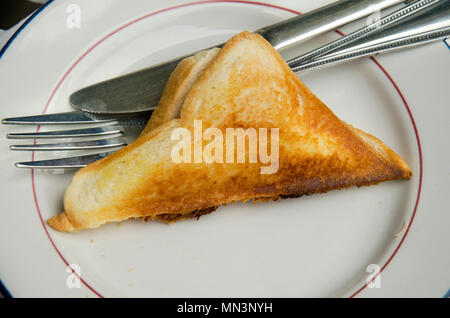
[
  {"x": 57, "y": 119},
  {"x": 63, "y": 163},
  {"x": 77, "y": 145},
  {"x": 88, "y": 132}
]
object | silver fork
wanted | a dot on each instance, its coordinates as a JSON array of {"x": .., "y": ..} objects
[
  {"x": 432, "y": 23},
  {"x": 109, "y": 133}
]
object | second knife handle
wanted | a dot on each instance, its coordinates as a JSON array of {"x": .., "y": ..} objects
[{"x": 321, "y": 20}]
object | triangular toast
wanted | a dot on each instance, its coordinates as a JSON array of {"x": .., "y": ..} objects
[{"x": 245, "y": 85}]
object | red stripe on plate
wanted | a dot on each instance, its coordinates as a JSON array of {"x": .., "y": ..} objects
[{"x": 58, "y": 85}]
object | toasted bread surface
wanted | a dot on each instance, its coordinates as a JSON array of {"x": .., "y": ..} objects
[
  {"x": 177, "y": 87},
  {"x": 246, "y": 85}
]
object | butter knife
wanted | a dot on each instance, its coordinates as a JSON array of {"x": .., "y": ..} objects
[{"x": 140, "y": 91}]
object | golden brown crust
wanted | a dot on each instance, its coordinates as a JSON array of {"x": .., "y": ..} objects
[
  {"x": 174, "y": 217},
  {"x": 61, "y": 222},
  {"x": 318, "y": 152}
]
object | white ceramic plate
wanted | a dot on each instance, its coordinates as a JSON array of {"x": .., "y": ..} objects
[{"x": 319, "y": 245}]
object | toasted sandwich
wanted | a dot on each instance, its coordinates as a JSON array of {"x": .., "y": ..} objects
[{"x": 246, "y": 86}]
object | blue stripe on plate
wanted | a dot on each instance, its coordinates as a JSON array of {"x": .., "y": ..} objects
[
  {"x": 3, "y": 288},
  {"x": 447, "y": 294},
  {"x": 11, "y": 39},
  {"x": 4, "y": 291},
  {"x": 446, "y": 43}
]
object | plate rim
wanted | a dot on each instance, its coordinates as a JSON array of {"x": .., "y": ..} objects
[
  {"x": 193, "y": 3},
  {"x": 3, "y": 289}
]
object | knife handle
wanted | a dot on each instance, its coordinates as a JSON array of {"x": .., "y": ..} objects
[{"x": 315, "y": 22}]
